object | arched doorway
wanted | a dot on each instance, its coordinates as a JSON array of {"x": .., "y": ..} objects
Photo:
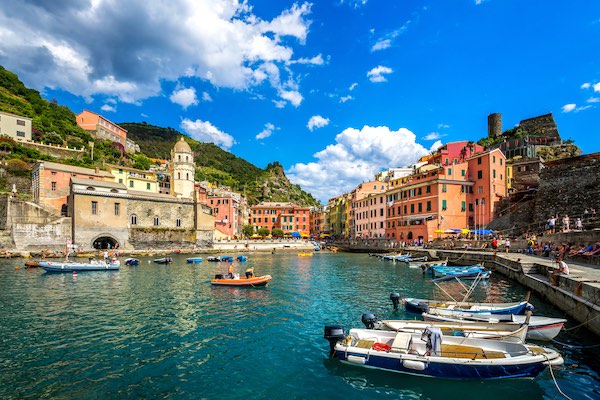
[{"x": 105, "y": 242}]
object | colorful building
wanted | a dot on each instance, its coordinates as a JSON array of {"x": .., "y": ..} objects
[
  {"x": 103, "y": 129},
  {"x": 367, "y": 213},
  {"x": 319, "y": 221},
  {"x": 286, "y": 216},
  {"x": 227, "y": 208},
  {"x": 134, "y": 179},
  {"x": 15, "y": 126}
]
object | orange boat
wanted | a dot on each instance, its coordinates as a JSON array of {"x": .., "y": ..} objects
[
  {"x": 241, "y": 281},
  {"x": 32, "y": 264}
]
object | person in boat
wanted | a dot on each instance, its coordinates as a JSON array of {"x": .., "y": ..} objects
[
  {"x": 230, "y": 271},
  {"x": 250, "y": 273}
]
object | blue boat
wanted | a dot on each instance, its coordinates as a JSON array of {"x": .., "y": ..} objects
[
  {"x": 132, "y": 261},
  {"x": 164, "y": 260},
  {"x": 440, "y": 270},
  {"x": 430, "y": 354},
  {"x": 51, "y": 266},
  {"x": 242, "y": 258},
  {"x": 421, "y": 305},
  {"x": 226, "y": 258},
  {"x": 193, "y": 260},
  {"x": 468, "y": 275}
]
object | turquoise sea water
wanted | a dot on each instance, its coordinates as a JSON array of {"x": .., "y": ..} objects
[{"x": 157, "y": 331}]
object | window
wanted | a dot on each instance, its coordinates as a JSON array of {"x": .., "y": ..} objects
[
  {"x": 428, "y": 208},
  {"x": 500, "y": 176},
  {"x": 20, "y": 122},
  {"x": 419, "y": 191},
  {"x": 179, "y": 158},
  {"x": 94, "y": 207},
  {"x": 187, "y": 176},
  {"x": 120, "y": 180},
  {"x": 494, "y": 159},
  {"x": 479, "y": 160},
  {"x": 462, "y": 172},
  {"x": 133, "y": 219},
  {"x": 178, "y": 223},
  {"x": 53, "y": 186},
  {"x": 444, "y": 188},
  {"x": 148, "y": 185},
  {"x": 463, "y": 206},
  {"x": 117, "y": 208},
  {"x": 470, "y": 206},
  {"x": 53, "y": 173},
  {"x": 449, "y": 171},
  {"x": 156, "y": 220},
  {"x": 130, "y": 184},
  {"x": 500, "y": 161},
  {"x": 20, "y": 134},
  {"x": 420, "y": 207},
  {"x": 494, "y": 173},
  {"x": 412, "y": 208},
  {"x": 428, "y": 189},
  {"x": 444, "y": 205},
  {"x": 479, "y": 174}
]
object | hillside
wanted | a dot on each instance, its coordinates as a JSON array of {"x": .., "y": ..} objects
[
  {"x": 56, "y": 124},
  {"x": 216, "y": 165}
]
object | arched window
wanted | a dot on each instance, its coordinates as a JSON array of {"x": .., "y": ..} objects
[
  {"x": 156, "y": 221},
  {"x": 187, "y": 158},
  {"x": 187, "y": 176},
  {"x": 133, "y": 219},
  {"x": 179, "y": 157},
  {"x": 178, "y": 222},
  {"x": 179, "y": 175}
]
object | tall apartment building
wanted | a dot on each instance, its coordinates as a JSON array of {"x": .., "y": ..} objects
[
  {"x": 285, "y": 216},
  {"x": 102, "y": 128}
]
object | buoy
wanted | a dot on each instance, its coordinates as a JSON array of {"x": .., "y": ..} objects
[
  {"x": 74, "y": 273},
  {"x": 16, "y": 268}
]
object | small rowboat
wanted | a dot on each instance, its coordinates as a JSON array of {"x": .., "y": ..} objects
[
  {"x": 193, "y": 260},
  {"x": 164, "y": 260},
  {"x": 32, "y": 264},
  {"x": 242, "y": 258},
  {"x": 422, "y": 305},
  {"x": 51, "y": 266},
  {"x": 253, "y": 281},
  {"x": 132, "y": 261},
  {"x": 305, "y": 254}
]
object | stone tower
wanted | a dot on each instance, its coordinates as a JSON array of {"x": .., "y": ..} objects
[
  {"x": 182, "y": 170},
  {"x": 494, "y": 125}
]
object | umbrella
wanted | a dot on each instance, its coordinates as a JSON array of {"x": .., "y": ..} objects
[{"x": 295, "y": 235}]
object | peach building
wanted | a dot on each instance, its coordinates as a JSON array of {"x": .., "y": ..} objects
[
  {"x": 438, "y": 198},
  {"x": 285, "y": 216},
  {"x": 51, "y": 182},
  {"x": 102, "y": 128},
  {"x": 319, "y": 221},
  {"x": 368, "y": 212},
  {"x": 227, "y": 210}
]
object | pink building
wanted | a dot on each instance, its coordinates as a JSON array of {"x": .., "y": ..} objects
[
  {"x": 102, "y": 128},
  {"x": 368, "y": 217},
  {"x": 227, "y": 212}
]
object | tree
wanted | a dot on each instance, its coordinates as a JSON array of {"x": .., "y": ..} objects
[
  {"x": 277, "y": 232},
  {"x": 248, "y": 230},
  {"x": 263, "y": 232},
  {"x": 142, "y": 162}
]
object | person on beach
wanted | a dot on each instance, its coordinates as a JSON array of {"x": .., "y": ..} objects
[
  {"x": 507, "y": 245},
  {"x": 495, "y": 246}
]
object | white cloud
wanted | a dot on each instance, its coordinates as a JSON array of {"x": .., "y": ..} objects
[
  {"x": 279, "y": 103},
  {"x": 593, "y": 100},
  {"x": 377, "y": 73},
  {"x": 185, "y": 97},
  {"x": 346, "y": 98},
  {"x": 478, "y": 2},
  {"x": 293, "y": 96},
  {"x": 316, "y": 121},
  {"x": 353, "y": 86},
  {"x": 316, "y": 60},
  {"x": 204, "y": 131},
  {"x": 443, "y": 126},
  {"x": 206, "y": 97},
  {"x": 573, "y": 107},
  {"x": 266, "y": 132},
  {"x": 586, "y": 85},
  {"x": 356, "y": 157},
  {"x": 596, "y": 87},
  {"x": 225, "y": 44},
  {"x": 381, "y": 44},
  {"x": 108, "y": 108},
  {"x": 432, "y": 136}
]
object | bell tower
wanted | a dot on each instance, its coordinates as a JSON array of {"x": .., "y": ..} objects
[{"x": 182, "y": 170}]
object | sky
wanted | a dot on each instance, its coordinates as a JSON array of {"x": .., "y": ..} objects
[{"x": 334, "y": 90}]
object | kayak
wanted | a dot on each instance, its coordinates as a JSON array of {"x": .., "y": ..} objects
[{"x": 254, "y": 281}]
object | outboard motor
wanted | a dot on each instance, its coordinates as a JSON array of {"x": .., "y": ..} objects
[
  {"x": 369, "y": 320},
  {"x": 219, "y": 276},
  {"x": 395, "y": 298},
  {"x": 333, "y": 334},
  {"x": 423, "y": 307}
]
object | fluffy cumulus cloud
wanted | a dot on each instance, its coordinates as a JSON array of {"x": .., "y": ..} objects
[
  {"x": 316, "y": 121},
  {"x": 356, "y": 157},
  {"x": 378, "y": 73},
  {"x": 432, "y": 136},
  {"x": 204, "y": 131},
  {"x": 185, "y": 97},
  {"x": 219, "y": 41},
  {"x": 266, "y": 132}
]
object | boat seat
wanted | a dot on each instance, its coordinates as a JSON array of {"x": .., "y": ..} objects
[
  {"x": 472, "y": 352},
  {"x": 401, "y": 343},
  {"x": 365, "y": 344}
]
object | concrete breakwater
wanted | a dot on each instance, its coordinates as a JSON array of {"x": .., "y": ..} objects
[{"x": 577, "y": 294}]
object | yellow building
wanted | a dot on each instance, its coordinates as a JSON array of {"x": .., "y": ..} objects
[{"x": 135, "y": 179}]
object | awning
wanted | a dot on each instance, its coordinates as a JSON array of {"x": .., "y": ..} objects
[
  {"x": 419, "y": 217},
  {"x": 295, "y": 235}
]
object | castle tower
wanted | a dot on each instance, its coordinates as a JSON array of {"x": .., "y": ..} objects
[
  {"x": 494, "y": 125},
  {"x": 182, "y": 170}
]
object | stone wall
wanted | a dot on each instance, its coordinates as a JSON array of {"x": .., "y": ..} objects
[
  {"x": 4, "y": 211},
  {"x": 569, "y": 186},
  {"x": 31, "y": 236},
  {"x": 55, "y": 151},
  {"x": 161, "y": 238}
]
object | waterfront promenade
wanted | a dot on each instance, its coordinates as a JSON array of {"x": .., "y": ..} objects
[{"x": 577, "y": 294}]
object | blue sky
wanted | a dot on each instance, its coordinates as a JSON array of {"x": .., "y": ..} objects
[{"x": 334, "y": 90}]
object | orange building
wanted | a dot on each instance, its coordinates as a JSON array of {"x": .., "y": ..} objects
[
  {"x": 226, "y": 208},
  {"x": 102, "y": 128},
  {"x": 51, "y": 182},
  {"x": 437, "y": 199},
  {"x": 285, "y": 216}
]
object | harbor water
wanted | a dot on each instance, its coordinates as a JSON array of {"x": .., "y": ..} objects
[{"x": 162, "y": 331}]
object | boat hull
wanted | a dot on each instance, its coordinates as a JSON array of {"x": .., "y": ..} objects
[
  {"x": 421, "y": 305},
  {"x": 193, "y": 260},
  {"x": 58, "y": 267},
  {"x": 243, "y": 282}
]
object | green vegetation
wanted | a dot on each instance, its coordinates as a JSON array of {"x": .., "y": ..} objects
[{"x": 248, "y": 230}]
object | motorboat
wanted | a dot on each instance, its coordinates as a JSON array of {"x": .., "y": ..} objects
[
  {"x": 425, "y": 265},
  {"x": 434, "y": 355},
  {"x": 487, "y": 330},
  {"x": 164, "y": 260},
  {"x": 253, "y": 281},
  {"x": 213, "y": 259},
  {"x": 441, "y": 270},
  {"x": 467, "y": 275},
  {"x": 422, "y": 305},
  {"x": 226, "y": 258},
  {"x": 93, "y": 265},
  {"x": 242, "y": 258},
  {"x": 193, "y": 260},
  {"x": 132, "y": 261},
  {"x": 540, "y": 327}
]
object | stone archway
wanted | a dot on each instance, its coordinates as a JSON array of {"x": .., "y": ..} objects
[{"x": 105, "y": 242}]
